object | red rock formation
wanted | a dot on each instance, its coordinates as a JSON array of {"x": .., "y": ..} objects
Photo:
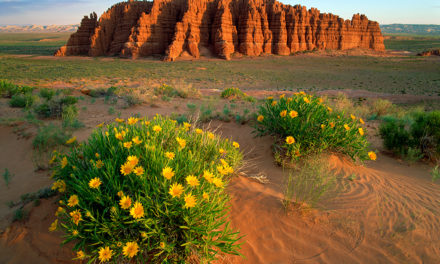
[
  {"x": 427, "y": 53},
  {"x": 249, "y": 27}
]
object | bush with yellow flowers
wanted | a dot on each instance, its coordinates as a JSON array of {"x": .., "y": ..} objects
[
  {"x": 147, "y": 191},
  {"x": 303, "y": 124}
]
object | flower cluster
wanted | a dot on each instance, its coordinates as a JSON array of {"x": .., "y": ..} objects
[
  {"x": 304, "y": 124},
  {"x": 150, "y": 184}
]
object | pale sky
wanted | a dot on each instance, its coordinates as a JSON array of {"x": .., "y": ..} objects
[{"x": 64, "y": 12}]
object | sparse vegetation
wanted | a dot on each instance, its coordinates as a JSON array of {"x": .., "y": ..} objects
[
  {"x": 435, "y": 173},
  {"x": 49, "y": 137},
  {"x": 307, "y": 184},
  {"x": 7, "y": 177}
]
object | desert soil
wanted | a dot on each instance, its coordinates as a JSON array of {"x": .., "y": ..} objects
[{"x": 387, "y": 214}]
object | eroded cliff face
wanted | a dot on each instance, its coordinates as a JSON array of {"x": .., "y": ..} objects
[{"x": 225, "y": 27}]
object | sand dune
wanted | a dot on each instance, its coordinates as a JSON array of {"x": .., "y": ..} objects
[{"x": 387, "y": 214}]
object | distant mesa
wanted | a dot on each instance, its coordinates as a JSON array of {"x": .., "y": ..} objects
[
  {"x": 172, "y": 28},
  {"x": 38, "y": 28}
]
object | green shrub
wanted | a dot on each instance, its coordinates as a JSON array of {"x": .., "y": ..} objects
[
  {"x": 413, "y": 135},
  {"x": 8, "y": 89},
  {"x": 22, "y": 100},
  {"x": 233, "y": 93},
  {"x": 70, "y": 118},
  {"x": 395, "y": 135},
  {"x": 165, "y": 90},
  {"x": 303, "y": 125},
  {"x": 101, "y": 92},
  {"x": 47, "y": 94},
  {"x": 55, "y": 106},
  {"x": 147, "y": 191},
  {"x": 426, "y": 133}
]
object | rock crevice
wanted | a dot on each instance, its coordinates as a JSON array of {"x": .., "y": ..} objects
[{"x": 223, "y": 27}]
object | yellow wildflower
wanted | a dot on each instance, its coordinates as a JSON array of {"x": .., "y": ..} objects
[
  {"x": 63, "y": 162},
  {"x": 208, "y": 176},
  {"x": 235, "y": 144},
  {"x": 133, "y": 160},
  {"x": 361, "y": 131},
  {"x": 125, "y": 202},
  {"x": 136, "y": 140},
  {"x": 372, "y": 155},
  {"x": 269, "y": 98},
  {"x": 306, "y": 100},
  {"x": 199, "y": 131},
  {"x": 137, "y": 211},
  {"x": 119, "y": 120},
  {"x": 329, "y": 109},
  {"x": 260, "y": 118},
  {"x": 132, "y": 120},
  {"x": 190, "y": 200},
  {"x": 126, "y": 169},
  {"x": 170, "y": 155},
  {"x": 80, "y": 255},
  {"x": 99, "y": 164},
  {"x": 186, "y": 125},
  {"x": 105, "y": 254},
  {"x": 73, "y": 201},
  {"x": 168, "y": 173},
  {"x": 322, "y": 126},
  {"x": 352, "y": 117},
  {"x": 302, "y": 92},
  {"x": 130, "y": 249},
  {"x": 222, "y": 151},
  {"x": 162, "y": 244},
  {"x": 192, "y": 181},
  {"x": 119, "y": 136},
  {"x": 139, "y": 171},
  {"x": 332, "y": 124},
  {"x": 120, "y": 194},
  {"x": 181, "y": 141},
  {"x": 210, "y": 135},
  {"x": 282, "y": 96},
  {"x": 293, "y": 114},
  {"x": 176, "y": 190},
  {"x": 320, "y": 100},
  {"x": 60, "y": 185},
  {"x": 218, "y": 182},
  {"x": 127, "y": 145},
  {"x": 290, "y": 140},
  {"x": 283, "y": 113},
  {"x": 362, "y": 121},
  {"x": 100, "y": 125},
  {"x": 157, "y": 129},
  {"x": 53, "y": 226},
  {"x": 205, "y": 196},
  {"x": 59, "y": 211},
  {"x": 147, "y": 123},
  {"x": 274, "y": 103},
  {"x": 71, "y": 141},
  {"x": 94, "y": 183},
  {"x": 347, "y": 127},
  {"x": 289, "y": 99},
  {"x": 76, "y": 217}
]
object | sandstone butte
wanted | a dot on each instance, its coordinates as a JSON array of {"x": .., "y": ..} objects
[{"x": 221, "y": 27}]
